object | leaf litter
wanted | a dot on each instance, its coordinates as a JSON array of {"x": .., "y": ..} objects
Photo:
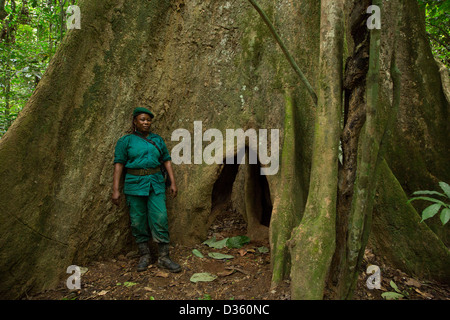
[
  {"x": 227, "y": 265},
  {"x": 246, "y": 276}
]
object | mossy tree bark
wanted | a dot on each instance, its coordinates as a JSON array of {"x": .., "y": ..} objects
[
  {"x": 354, "y": 117},
  {"x": 369, "y": 154},
  {"x": 216, "y": 62},
  {"x": 313, "y": 242}
]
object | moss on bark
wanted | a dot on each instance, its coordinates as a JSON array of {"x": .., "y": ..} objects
[
  {"x": 398, "y": 235},
  {"x": 313, "y": 242},
  {"x": 213, "y": 61}
]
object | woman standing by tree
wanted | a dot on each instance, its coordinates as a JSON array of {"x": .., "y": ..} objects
[{"x": 142, "y": 153}]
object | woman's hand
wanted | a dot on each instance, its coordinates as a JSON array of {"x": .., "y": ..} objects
[
  {"x": 173, "y": 185},
  {"x": 118, "y": 169},
  {"x": 173, "y": 190},
  {"x": 115, "y": 197}
]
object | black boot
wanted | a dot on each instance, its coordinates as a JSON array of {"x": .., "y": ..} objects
[
  {"x": 164, "y": 259},
  {"x": 144, "y": 260}
]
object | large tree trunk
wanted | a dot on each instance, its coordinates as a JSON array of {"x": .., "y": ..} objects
[
  {"x": 298, "y": 127},
  {"x": 56, "y": 158},
  {"x": 313, "y": 241},
  {"x": 215, "y": 62},
  {"x": 416, "y": 151}
]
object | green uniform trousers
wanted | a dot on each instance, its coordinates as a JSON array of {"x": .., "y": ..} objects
[{"x": 148, "y": 217}]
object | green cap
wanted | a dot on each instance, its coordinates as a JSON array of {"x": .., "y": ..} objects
[{"x": 140, "y": 110}]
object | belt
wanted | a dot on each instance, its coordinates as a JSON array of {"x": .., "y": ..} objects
[{"x": 143, "y": 172}]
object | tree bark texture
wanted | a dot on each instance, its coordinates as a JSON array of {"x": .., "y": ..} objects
[
  {"x": 313, "y": 242},
  {"x": 354, "y": 86},
  {"x": 215, "y": 62}
]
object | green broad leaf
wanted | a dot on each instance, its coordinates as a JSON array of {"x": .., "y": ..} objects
[
  {"x": 216, "y": 244},
  {"x": 237, "y": 242},
  {"x": 263, "y": 249},
  {"x": 425, "y": 192},
  {"x": 391, "y": 295},
  {"x": 430, "y": 211},
  {"x": 83, "y": 270},
  {"x": 394, "y": 286},
  {"x": 445, "y": 215},
  {"x": 129, "y": 284},
  {"x": 198, "y": 253},
  {"x": 210, "y": 240},
  {"x": 220, "y": 244},
  {"x": 203, "y": 277},
  {"x": 219, "y": 256},
  {"x": 445, "y": 187},
  {"x": 427, "y": 199}
]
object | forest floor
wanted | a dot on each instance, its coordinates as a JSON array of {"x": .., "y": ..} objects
[{"x": 247, "y": 276}]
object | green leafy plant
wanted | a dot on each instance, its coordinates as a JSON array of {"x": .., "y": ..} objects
[
  {"x": 437, "y": 205},
  {"x": 126, "y": 284},
  {"x": 398, "y": 294},
  {"x": 32, "y": 31},
  {"x": 263, "y": 249},
  {"x": 129, "y": 284},
  {"x": 213, "y": 243},
  {"x": 197, "y": 253},
  {"x": 220, "y": 256},
  {"x": 237, "y": 242},
  {"x": 233, "y": 242},
  {"x": 437, "y": 14}
]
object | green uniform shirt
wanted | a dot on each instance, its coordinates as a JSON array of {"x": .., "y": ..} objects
[{"x": 136, "y": 153}]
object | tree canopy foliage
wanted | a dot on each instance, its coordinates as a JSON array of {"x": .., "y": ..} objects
[
  {"x": 30, "y": 33},
  {"x": 437, "y": 22}
]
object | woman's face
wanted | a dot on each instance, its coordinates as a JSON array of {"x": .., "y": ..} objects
[{"x": 142, "y": 122}]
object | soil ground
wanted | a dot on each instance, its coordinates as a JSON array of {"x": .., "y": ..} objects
[{"x": 245, "y": 277}]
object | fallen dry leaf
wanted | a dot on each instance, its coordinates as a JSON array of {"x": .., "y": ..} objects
[
  {"x": 413, "y": 282},
  {"x": 238, "y": 269},
  {"x": 225, "y": 273},
  {"x": 162, "y": 274},
  {"x": 102, "y": 293},
  {"x": 424, "y": 294},
  {"x": 242, "y": 252}
]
